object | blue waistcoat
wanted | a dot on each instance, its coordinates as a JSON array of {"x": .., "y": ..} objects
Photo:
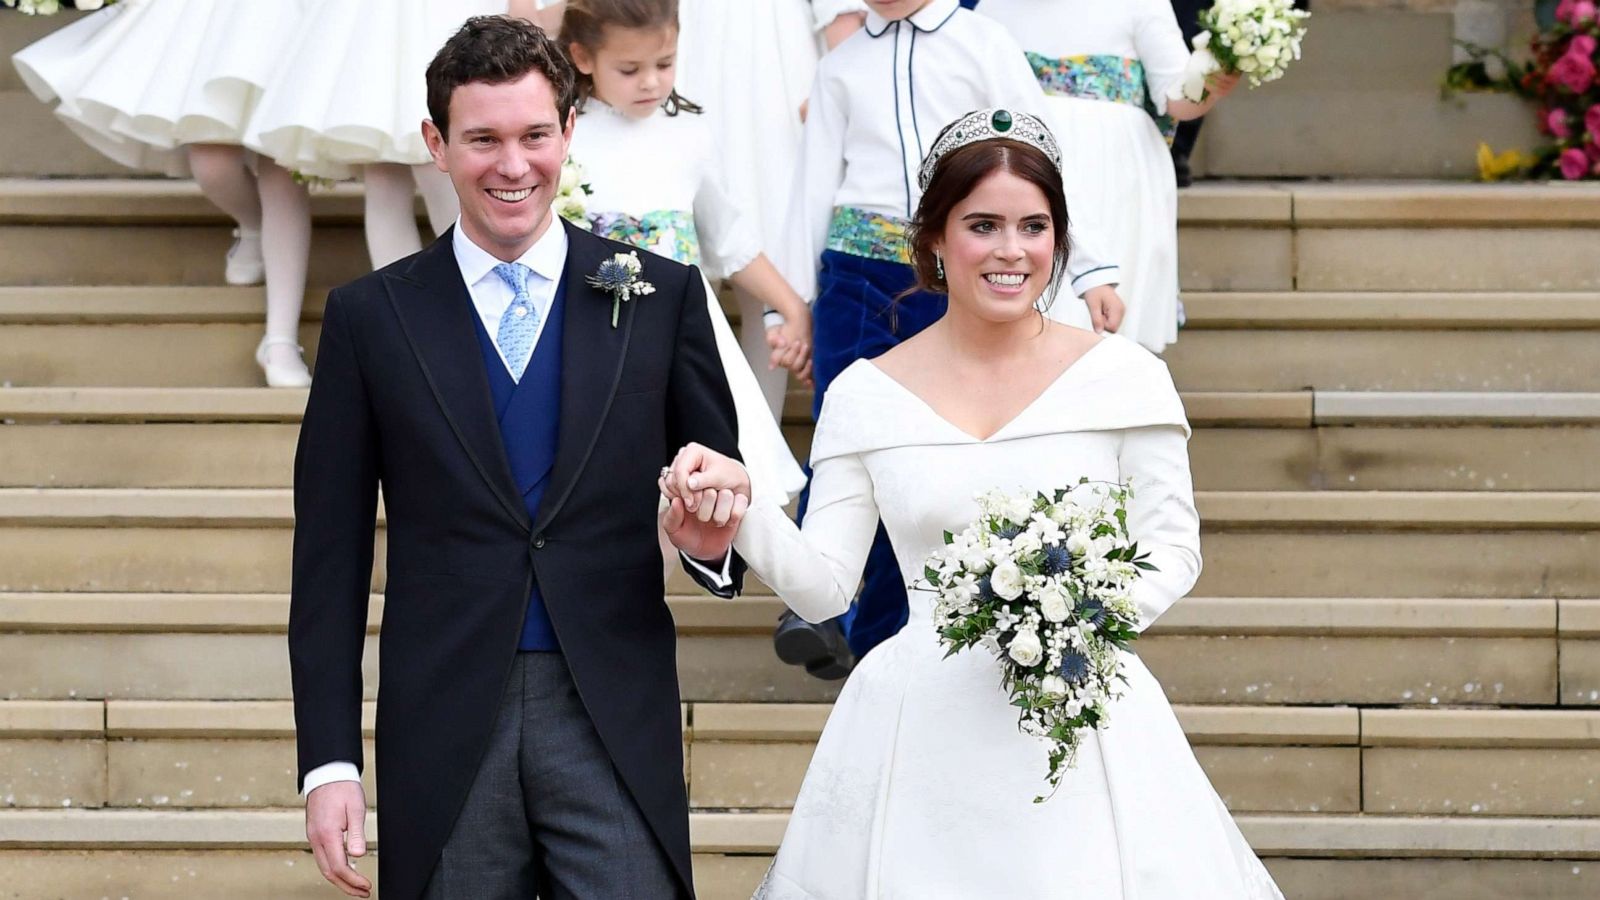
[{"x": 529, "y": 413}]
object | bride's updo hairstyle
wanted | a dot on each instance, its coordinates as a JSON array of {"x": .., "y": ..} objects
[{"x": 957, "y": 175}]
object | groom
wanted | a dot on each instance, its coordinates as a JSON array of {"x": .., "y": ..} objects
[{"x": 528, "y": 730}]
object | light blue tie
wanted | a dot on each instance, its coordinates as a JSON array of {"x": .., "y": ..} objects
[{"x": 519, "y": 324}]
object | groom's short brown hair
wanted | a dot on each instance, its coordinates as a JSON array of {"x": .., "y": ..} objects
[{"x": 497, "y": 49}]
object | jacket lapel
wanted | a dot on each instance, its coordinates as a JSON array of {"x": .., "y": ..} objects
[
  {"x": 435, "y": 312},
  {"x": 592, "y": 353}
]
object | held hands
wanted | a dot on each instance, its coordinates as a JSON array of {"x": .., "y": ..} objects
[
  {"x": 791, "y": 343},
  {"x": 336, "y": 823},
  {"x": 707, "y": 496},
  {"x": 1221, "y": 84},
  {"x": 1105, "y": 308}
]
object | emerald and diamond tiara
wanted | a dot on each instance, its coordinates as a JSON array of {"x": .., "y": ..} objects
[{"x": 988, "y": 125}]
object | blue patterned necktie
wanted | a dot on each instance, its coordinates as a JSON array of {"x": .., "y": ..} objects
[{"x": 519, "y": 324}]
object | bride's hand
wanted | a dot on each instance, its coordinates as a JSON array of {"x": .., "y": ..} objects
[{"x": 707, "y": 495}]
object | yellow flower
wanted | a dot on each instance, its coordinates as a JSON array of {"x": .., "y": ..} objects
[{"x": 1500, "y": 166}]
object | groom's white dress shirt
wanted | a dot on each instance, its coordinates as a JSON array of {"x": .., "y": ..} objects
[{"x": 491, "y": 296}]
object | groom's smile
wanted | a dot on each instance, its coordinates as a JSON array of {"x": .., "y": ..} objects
[{"x": 504, "y": 153}]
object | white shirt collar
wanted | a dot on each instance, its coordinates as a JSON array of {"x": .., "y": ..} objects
[
  {"x": 928, "y": 18},
  {"x": 547, "y": 257}
]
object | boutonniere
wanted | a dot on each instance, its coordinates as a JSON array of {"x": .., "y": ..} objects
[{"x": 619, "y": 277}]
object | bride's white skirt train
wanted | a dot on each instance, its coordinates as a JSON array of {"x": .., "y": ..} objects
[{"x": 923, "y": 787}]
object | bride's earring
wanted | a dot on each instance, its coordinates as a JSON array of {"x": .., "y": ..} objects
[{"x": 938, "y": 264}]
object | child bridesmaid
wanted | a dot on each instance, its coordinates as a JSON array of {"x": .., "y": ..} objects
[
  {"x": 169, "y": 86},
  {"x": 1107, "y": 69},
  {"x": 653, "y": 167}
]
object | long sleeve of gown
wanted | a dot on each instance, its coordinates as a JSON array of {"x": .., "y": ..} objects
[
  {"x": 815, "y": 570},
  {"x": 1161, "y": 516},
  {"x": 1014, "y": 85},
  {"x": 1161, "y": 48}
]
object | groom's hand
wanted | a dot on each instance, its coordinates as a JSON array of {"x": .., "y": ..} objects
[
  {"x": 336, "y": 824},
  {"x": 707, "y": 496}
]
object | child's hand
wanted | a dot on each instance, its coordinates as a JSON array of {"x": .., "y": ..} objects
[
  {"x": 1106, "y": 308},
  {"x": 791, "y": 345},
  {"x": 1221, "y": 84}
]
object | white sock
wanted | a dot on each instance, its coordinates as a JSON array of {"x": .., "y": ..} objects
[
  {"x": 286, "y": 247},
  {"x": 391, "y": 213},
  {"x": 226, "y": 181}
]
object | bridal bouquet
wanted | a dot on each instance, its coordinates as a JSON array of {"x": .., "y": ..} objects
[
  {"x": 1256, "y": 38},
  {"x": 1045, "y": 582},
  {"x": 572, "y": 195}
]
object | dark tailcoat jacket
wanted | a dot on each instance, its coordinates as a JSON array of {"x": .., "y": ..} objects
[{"x": 401, "y": 399}]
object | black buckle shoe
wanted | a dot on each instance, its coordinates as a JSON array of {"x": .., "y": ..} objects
[{"x": 822, "y": 648}]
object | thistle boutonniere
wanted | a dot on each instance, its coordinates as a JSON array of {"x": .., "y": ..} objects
[{"x": 619, "y": 277}]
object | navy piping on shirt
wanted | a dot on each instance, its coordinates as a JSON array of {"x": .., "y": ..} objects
[
  {"x": 898, "y": 131},
  {"x": 1081, "y": 275}
]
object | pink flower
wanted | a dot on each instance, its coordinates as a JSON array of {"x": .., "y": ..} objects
[
  {"x": 1583, "y": 12},
  {"x": 1574, "y": 164},
  {"x": 1564, "y": 11},
  {"x": 1575, "y": 69},
  {"x": 1591, "y": 121},
  {"x": 1556, "y": 121}
]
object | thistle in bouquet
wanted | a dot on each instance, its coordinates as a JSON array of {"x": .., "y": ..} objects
[
  {"x": 1254, "y": 38},
  {"x": 1045, "y": 583}
]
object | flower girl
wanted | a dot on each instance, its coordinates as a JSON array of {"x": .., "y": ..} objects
[
  {"x": 653, "y": 169},
  {"x": 1107, "y": 69},
  {"x": 170, "y": 86}
]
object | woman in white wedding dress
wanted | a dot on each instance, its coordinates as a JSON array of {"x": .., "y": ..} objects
[{"x": 922, "y": 786}]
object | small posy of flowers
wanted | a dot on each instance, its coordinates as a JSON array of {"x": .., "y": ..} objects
[
  {"x": 619, "y": 277},
  {"x": 572, "y": 195},
  {"x": 51, "y": 7},
  {"x": 1562, "y": 76},
  {"x": 1045, "y": 583},
  {"x": 1254, "y": 38}
]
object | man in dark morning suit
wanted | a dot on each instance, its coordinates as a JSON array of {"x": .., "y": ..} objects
[{"x": 516, "y": 419}]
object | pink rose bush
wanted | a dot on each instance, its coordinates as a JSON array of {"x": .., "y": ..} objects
[{"x": 1562, "y": 76}]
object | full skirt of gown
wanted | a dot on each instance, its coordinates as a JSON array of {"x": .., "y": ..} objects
[
  {"x": 1118, "y": 162},
  {"x": 139, "y": 79}
]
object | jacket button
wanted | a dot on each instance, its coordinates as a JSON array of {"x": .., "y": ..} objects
[{"x": 538, "y": 542}]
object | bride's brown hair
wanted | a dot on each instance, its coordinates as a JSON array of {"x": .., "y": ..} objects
[
  {"x": 584, "y": 23},
  {"x": 958, "y": 174}
]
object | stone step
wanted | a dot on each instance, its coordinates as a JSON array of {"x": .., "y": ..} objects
[
  {"x": 1492, "y": 762},
  {"x": 1422, "y": 652},
  {"x": 1232, "y": 237},
  {"x": 245, "y": 437},
  {"x": 1258, "y": 543},
  {"x": 258, "y": 855}
]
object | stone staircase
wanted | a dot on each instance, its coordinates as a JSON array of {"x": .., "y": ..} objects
[{"x": 1390, "y": 668}]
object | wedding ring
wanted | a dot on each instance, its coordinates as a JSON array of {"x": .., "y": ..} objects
[{"x": 665, "y": 471}]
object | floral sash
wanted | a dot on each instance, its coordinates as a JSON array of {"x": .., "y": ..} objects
[
  {"x": 666, "y": 232},
  {"x": 869, "y": 234},
  {"x": 1113, "y": 78}
]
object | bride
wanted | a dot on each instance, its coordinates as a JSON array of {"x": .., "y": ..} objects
[{"x": 922, "y": 785}]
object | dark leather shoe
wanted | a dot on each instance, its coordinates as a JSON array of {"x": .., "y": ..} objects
[
  {"x": 822, "y": 648},
  {"x": 1180, "y": 168}
]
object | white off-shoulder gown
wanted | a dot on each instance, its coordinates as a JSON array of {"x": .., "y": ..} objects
[{"x": 921, "y": 785}]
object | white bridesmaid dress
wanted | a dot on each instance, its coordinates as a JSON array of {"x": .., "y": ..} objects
[
  {"x": 1114, "y": 154},
  {"x": 141, "y": 78},
  {"x": 922, "y": 786},
  {"x": 657, "y": 185},
  {"x": 352, "y": 88}
]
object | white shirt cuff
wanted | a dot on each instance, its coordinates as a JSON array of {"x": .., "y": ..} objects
[
  {"x": 1082, "y": 283},
  {"x": 328, "y": 773},
  {"x": 720, "y": 579}
]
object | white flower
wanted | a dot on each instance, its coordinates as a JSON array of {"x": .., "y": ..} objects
[
  {"x": 1026, "y": 543},
  {"x": 1007, "y": 582},
  {"x": 1054, "y": 603},
  {"x": 1054, "y": 687},
  {"x": 1025, "y": 648},
  {"x": 89, "y": 5},
  {"x": 1193, "y": 86},
  {"x": 1017, "y": 508}
]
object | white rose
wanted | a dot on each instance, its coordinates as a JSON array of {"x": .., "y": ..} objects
[
  {"x": 1247, "y": 64},
  {"x": 1026, "y": 543},
  {"x": 1054, "y": 603},
  {"x": 1017, "y": 509},
  {"x": 569, "y": 178},
  {"x": 1026, "y": 649},
  {"x": 1007, "y": 581},
  {"x": 1054, "y": 687}
]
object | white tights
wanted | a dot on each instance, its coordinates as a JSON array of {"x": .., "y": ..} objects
[
  {"x": 391, "y": 203},
  {"x": 267, "y": 201}
]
